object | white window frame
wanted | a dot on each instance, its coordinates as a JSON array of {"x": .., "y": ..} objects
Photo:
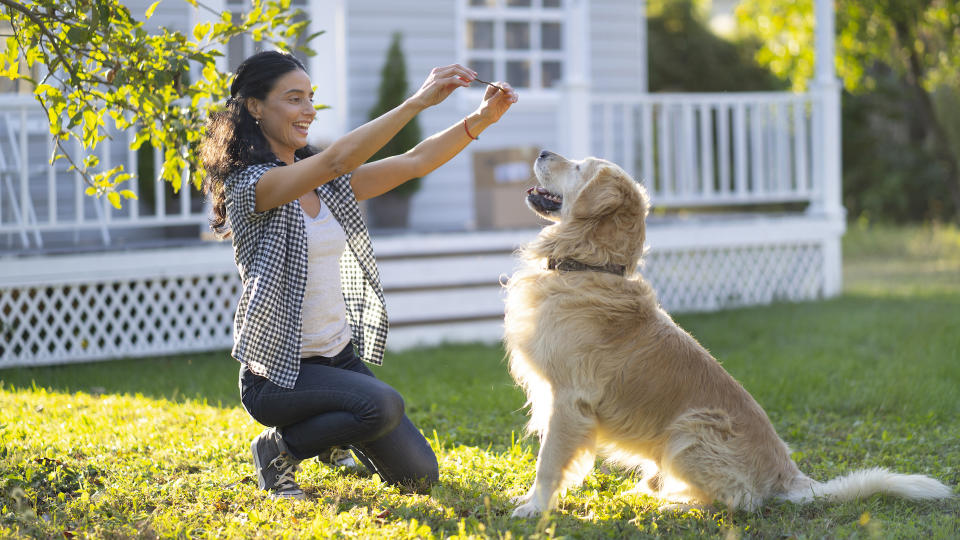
[{"x": 500, "y": 15}]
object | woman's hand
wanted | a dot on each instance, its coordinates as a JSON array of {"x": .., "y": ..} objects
[
  {"x": 377, "y": 177},
  {"x": 496, "y": 102},
  {"x": 441, "y": 82}
]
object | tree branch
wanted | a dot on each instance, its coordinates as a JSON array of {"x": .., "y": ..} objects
[
  {"x": 43, "y": 28},
  {"x": 63, "y": 152}
]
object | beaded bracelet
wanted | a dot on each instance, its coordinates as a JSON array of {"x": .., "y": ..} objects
[{"x": 468, "y": 131}]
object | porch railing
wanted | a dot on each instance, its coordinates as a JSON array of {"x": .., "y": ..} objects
[
  {"x": 38, "y": 198},
  {"x": 695, "y": 150},
  {"x": 690, "y": 150}
]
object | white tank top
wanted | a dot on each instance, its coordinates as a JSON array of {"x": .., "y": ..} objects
[{"x": 325, "y": 331}]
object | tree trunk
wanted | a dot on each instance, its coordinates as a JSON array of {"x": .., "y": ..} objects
[{"x": 931, "y": 121}]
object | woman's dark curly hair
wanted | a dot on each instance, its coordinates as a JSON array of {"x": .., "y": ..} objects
[{"x": 233, "y": 139}]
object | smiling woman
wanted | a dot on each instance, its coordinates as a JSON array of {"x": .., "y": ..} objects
[
  {"x": 286, "y": 114},
  {"x": 311, "y": 288}
]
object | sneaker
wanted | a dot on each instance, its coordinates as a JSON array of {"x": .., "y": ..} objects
[
  {"x": 338, "y": 456},
  {"x": 275, "y": 466}
]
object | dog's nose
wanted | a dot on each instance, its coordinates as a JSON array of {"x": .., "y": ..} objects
[{"x": 545, "y": 154}]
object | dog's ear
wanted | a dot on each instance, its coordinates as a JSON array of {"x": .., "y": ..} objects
[{"x": 601, "y": 195}]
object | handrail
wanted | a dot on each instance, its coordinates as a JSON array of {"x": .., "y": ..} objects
[{"x": 712, "y": 149}]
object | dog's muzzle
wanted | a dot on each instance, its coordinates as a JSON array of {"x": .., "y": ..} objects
[{"x": 544, "y": 201}]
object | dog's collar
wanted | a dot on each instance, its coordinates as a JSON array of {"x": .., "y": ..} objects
[{"x": 570, "y": 265}]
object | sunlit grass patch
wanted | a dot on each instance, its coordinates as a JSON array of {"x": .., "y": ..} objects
[
  {"x": 885, "y": 261},
  {"x": 160, "y": 447}
]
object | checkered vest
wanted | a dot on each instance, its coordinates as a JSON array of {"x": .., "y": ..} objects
[{"x": 270, "y": 250}]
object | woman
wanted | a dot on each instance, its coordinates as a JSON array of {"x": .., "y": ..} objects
[{"x": 312, "y": 305}]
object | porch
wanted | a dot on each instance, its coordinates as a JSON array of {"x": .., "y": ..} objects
[
  {"x": 746, "y": 211},
  {"x": 439, "y": 287}
]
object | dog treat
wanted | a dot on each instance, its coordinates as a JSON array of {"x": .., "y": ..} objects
[{"x": 490, "y": 84}]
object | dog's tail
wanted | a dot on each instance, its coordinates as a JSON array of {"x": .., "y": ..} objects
[{"x": 866, "y": 482}]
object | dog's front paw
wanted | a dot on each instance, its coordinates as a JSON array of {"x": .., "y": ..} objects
[
  {"x": 522, "y": 499},
  {"x": 527, "y": 510}
]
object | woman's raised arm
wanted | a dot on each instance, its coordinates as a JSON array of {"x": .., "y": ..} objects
[
  {"x": 378, "y": 177},
  {"x": 279, "y": 186}
]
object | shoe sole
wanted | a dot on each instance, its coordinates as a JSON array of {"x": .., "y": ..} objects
[
  {"x": 276, "y": 496},
  {"x": 256, "y": 462}
]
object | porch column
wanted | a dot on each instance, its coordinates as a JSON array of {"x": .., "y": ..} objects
[
  {"x": 574, "y": 114},
  {"x": 826, "y": 90},
  {"x": 328, "y": 69}
]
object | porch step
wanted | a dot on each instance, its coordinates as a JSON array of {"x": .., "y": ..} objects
[{"x": 446, "y": 287}]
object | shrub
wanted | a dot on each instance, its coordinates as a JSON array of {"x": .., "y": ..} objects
[{"x": 392, "y": 92}]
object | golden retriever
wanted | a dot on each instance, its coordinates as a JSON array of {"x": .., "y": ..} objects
[{"x": 606, "y": 370}]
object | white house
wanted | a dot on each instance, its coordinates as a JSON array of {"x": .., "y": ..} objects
[{"x": 79, "y": 280}]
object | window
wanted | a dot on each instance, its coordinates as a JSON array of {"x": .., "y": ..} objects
[{"x": 520, "y": 41}]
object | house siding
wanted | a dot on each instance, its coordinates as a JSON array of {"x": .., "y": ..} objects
[
  {"x": 431, "y": 34},
  {"x": 617, "y": 49},
  {"x": 172, "y": 15}
]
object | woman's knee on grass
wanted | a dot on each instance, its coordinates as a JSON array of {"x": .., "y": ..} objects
[
  {"x": 386, "y": 410},
  {"x": 420, "y": 476}
]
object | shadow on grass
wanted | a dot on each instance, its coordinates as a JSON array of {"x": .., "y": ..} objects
[
  {"x": 442, "y": 383},
  {"x": 484, "y": 509},
  {"x": 475, "y": 506}
]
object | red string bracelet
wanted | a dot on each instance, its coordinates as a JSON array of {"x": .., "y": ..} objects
[{"x": 468, "y": 131}]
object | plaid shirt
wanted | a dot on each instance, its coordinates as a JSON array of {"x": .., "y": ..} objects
[{"x": 270, "y": 249}]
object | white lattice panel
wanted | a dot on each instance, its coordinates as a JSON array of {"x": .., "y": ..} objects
[
  {"x": 113, "y": 319},
  {"x": 708, "y": 279}
]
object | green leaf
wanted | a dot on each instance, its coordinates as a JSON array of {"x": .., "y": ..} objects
[
  {"x": 150, "y": 9},
  {"x": 210, "y": 73},
  {"x": 78, "y": 34},
  {"x": 114, "y": 198},
  {"x": 200, "y": 31},
  {"x": 13, "y": 72},
  {"x": 313, "y": 35}
]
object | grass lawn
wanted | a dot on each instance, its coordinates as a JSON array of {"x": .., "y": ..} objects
[{"x": 160, "y": 447}]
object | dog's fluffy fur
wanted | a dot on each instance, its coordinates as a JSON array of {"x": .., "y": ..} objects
[{"x": 605, "y": 369}]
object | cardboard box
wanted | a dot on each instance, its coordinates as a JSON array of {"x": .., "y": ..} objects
[{"x": 501, "y": 179}]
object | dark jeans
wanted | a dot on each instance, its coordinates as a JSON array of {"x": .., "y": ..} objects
[{"x": 338, "y": 402}]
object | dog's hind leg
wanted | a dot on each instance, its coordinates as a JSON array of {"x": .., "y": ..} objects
[
  {"x": 567, "y": 452},
  {"x": 699, "y": 452}
]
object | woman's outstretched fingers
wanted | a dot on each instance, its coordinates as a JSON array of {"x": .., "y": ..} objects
[
  {"x": 442, "y": 81},
  {"x": 496, "y": 102},
  {"x": 495, "y": 92},
  {"x": 461, "y": 71}
]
